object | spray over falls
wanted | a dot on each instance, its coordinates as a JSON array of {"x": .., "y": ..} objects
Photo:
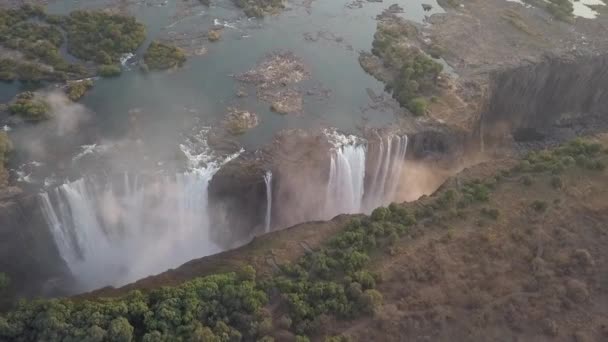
[
  {"x": 363, "y": 176},
  {"x": 118, "y": 229}
]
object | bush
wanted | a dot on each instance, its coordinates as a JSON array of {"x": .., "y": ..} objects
[
  {"x": 6, "y": 146},
  {"x": 160, "y": 56},
  {"x": 380, "y": 214},
  {"x": 417, "y": 106},
  {"x": 556, "y": 182},
  {"x": 491, "y": 213},
  {"x": 77, "y": 89},
  {"x": 29, "y": 107},
  {"x": 371, "y": 301},
  {"x": 539, "y": 206},
  {"x": 102, "y": 37},
  {"x": 561, "y": 9},
  {"x": 109, "y": 70}
]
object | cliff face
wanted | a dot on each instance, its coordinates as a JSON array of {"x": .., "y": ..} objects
[
  {"x": 27, "y": 251},
  {"x": 555, "y": 99}
]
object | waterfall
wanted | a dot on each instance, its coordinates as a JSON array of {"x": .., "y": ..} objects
[
  {"x": 383, "y": 184},
  {"x": 268, "y": 181},
  {"x": 347, "y": 191},
  {"x": 345, "y": 187},
  {"x": 115, "y": 230}
]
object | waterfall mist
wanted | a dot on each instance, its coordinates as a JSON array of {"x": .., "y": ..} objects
[{"x": 112, "y": 230}]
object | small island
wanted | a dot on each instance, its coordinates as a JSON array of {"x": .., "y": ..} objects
[
  {"x": 160, "y": 56},
  {"x": 76, "y": 89},
  {"x": 29, "y": 107}
]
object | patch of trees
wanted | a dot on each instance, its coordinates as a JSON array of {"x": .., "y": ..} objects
[
  {"x": 75, "y": 90},
  {"x": 258, "y": 8},
  {"x": 6, "y": 147},
  {"x": 223, "y": 307},
  {"x": 27, "y": 30},
  {"x": 561, "y": 9},
  {"x": 416, "y": 74},
  {"x": 102, "y": 37},
  {"x": 577, "y": 152},
  {"x": 11, "y": 70},
  {"x": 161, "y": 56},
  {"x": 92, "y": 36},
  {"x": 334, "y": 280},
  {"x": 29, "y": 107}
]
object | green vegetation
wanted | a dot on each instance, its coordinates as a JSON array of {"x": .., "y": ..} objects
[
  {"x": 102, "y": 37},
  {"x": 561, "y": 9},
  {"x": 35, "y": 56},
  {"x": 36, "y": 45},
  {"x": 29, "y": 107},
  {"x": 416, "y": 74},
  {"x": 258, "y": 8},
  {"x": 77, "y": 89},
  {"x": 11, "y": 70},
  {"x": 5, "y": 149},
  {"x": 579, "y": 152},
  {"x": 109, "y": 70},
  {"x": 213, "y": 308},
  {"x": 160, "y": 56},
  {"x": 333, "y": 280}
]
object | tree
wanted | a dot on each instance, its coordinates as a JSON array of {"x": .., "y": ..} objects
[{"x": 120, "y": 330}]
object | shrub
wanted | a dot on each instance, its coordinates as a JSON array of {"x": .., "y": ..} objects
[
  {"x": 556, "y": 182},
  {"x": 380, "y": 214},
  {"x": 300, "y": 338},
  {"x": 109, "y": 70},
  {"x": 102, "y": 37},
  {"x": 561, "y": 9},
  {"x": 491, "y": 213},
  {"x": 417, "y": 106},
  {"x": 29, "y": 107},
  {"x": 539, "y": 206},
  {"x": 526, "y": 180},
  {"x": 76, "y": 90},
  {"x": 161, "y": 56},
  {"x": 371, "y": 301}
]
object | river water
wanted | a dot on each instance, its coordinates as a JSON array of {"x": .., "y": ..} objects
[{"x": 204, "y": 87}]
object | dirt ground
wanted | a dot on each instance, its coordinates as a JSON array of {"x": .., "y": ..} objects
[{"x": 525, "y": 277}]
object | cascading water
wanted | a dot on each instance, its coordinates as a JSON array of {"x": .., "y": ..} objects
[
  {"x": 268, "y": 181},
  {"x": 347, "y": 191},
  {"x": 114, "y": 231},
  {"x": 346, "y": 180},
  {"x": 385, "y": 179}
]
